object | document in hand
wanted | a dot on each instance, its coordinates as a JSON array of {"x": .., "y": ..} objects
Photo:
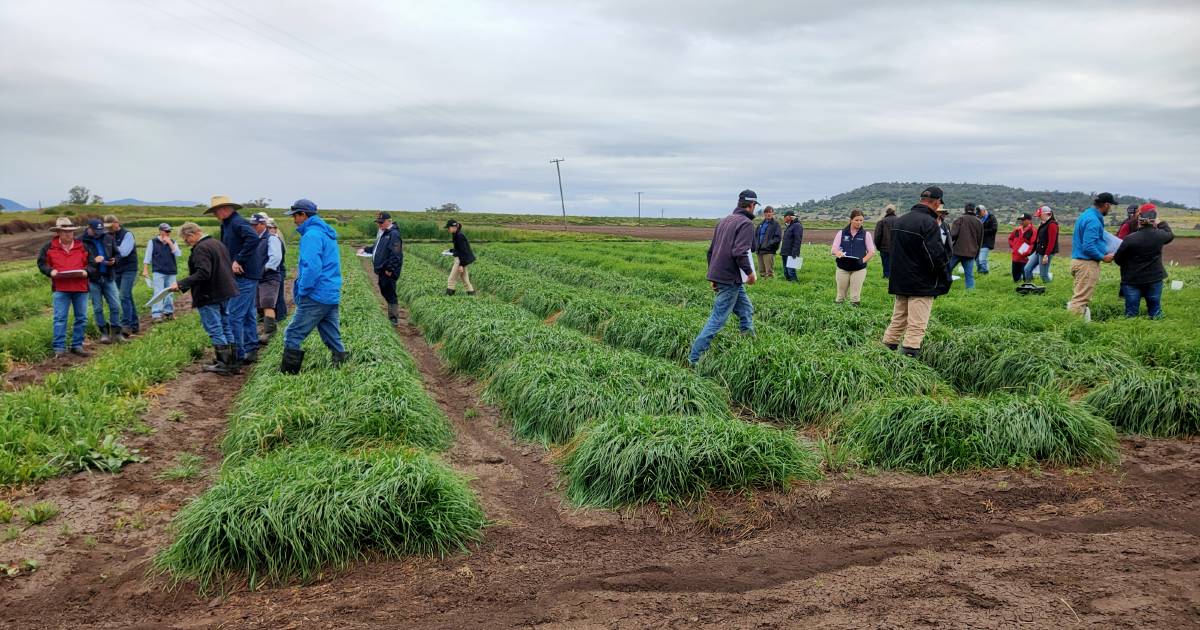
[
  {"x": 1024, "y": 249},
  {"x": 1111, "y": 243},
  {"x": 794, "y": 262},
  {"x": 158, "y": 297},
  {"x": 750, "y": 257},
  {"x": 71, "y": 273},
  {"x": 365, "y": 255}
]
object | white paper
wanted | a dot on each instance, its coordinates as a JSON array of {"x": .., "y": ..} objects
[
  {"x": 1111, "y": 243},
  {"x": 1024, "y": 249},
  {"x": 447, "y": 253},
  {"x": 1177, "y": 285},
  {"x": 362, "y": 254},
  {"x": 158, "y": 297},
  {"x": 793, "y": 262},
  {"x": 751, "y": 257},
  {"x": 71, "y": 273}
]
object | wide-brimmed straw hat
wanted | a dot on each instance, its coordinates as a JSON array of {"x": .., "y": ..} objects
[
  {"x": 64, "y": 224},
  {"x": 219, "y": 201}
]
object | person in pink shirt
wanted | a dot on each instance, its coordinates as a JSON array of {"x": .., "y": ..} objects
[{"x": 853, "y": 247}]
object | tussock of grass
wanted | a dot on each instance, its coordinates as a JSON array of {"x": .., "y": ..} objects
[
  {"x": 801, "y": 379},
  {"x": 295, "y": 511},
  {"x": 1152, "y": 401},
  {"x": 632, "y": 459},
  {"x": 548, "y": 397},
  {"x": 661, "y": 331},
  {"x": 931, "y": 435}
]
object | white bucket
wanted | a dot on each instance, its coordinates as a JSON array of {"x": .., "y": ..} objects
[{"x": 1177, "y": 285}]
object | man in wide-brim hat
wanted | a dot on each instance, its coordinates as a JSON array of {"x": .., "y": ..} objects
[
  {"x": 67, "y": 262},
  {"x": 241, "y": 241},
  {"x": 221, "y": 201}
]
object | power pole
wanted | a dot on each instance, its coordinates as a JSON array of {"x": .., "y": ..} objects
[
  {"x": 639, "y": 207},
  {"x": 662, "y": 213},
  {"x": 561, "y": 199}
]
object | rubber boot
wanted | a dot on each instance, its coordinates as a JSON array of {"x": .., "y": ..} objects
[
  {"x": 269, "y": 326},
  {"x": 104, "y": 338},
  {"x": 394, "y": 313},
  {"x": 910, "y": 352},
  {"x": 449, "y": 291},
  {"x": 218, "y": 366},
  {"x": 116, "y": 334},
  {"x": 126, "y": 332},
  {"x": 231, "y": 361},
  {"x": 471, "y": 293},
  {"x": 338, "y": 358},
  {"x": 250, "y": 357},
  {"x": 891, "y": 346},
  {"x": 292, "y": 360}
]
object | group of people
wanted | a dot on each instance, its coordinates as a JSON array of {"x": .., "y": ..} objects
[{"x": 920, "y": 252}]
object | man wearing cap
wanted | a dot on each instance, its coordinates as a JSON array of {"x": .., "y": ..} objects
[
  {"x": 124, "y": 265},
  {"x": 271, "y": 251},
  {"x": 102, "y": 286},
  {"x": 883, "y": 237},
  {"x": 387, "y": 257},
  {"x": 1021, "y": 241},
  {"x": 766, "y": 242},
  {"x": 317, "y": 291},
  {"x": 729, "y": 270},
  {"x": 920, "y": 272},
  {"x": 281, "y": 308},
  {"x": 159, "y": 267},
  {"x": 967, "y": 237},
  {"x": 1045, "y": 245},
  {"x": 211, "y": 281},
  {"x": 793, "y": 237},
  {"x": 246, "y": 262},
  {"x": 67, "y": 262},
  {"x": 1130, "y": 224},
  {"x": 1140, "y": 259},
  {"x": 1089, "y": 247},
  {"x": 460, "y": 249},
  {"x": 990, "y": 227}
]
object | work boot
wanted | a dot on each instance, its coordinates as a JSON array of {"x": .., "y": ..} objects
[
  {"x": 891, "y": 346},
  {"x": 340, "y": 357},
  {"x": 218, "y": 366},
  {"x": 449, "y": 291},
  {"x": 270, "y": 325},
  {"x": 231, "y": 360},
  {"x": 394, "y": 313},
  {"x": 471, "y": 293},
  {"x": 79, "y": 351},
  {"x": 292, "y": 360},
  {"x": 250, "y": 357},
  {"x": 127, "y": 332},
  {"x": 117, "y": 334},
  {"x": 169, "y": 317},
  {"x": 104, "y": 338},
  {"x": 910, "y": 352}
]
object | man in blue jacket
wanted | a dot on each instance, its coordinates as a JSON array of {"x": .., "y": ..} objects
[
  {"x": 387, "y": 257},
  {"x": 317, "y": 291},
  {"x": 728, "y": 262},
  {"x": 1089, "y": 246},
  {"x": 247, "y": 262}
]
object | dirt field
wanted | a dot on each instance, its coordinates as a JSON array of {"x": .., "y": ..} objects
[
  {"x": 1051, "y": 548},
  {"x": 1185, "y": 251}
]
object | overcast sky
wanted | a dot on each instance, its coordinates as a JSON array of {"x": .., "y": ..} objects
[{"x": 378, "y": 104}]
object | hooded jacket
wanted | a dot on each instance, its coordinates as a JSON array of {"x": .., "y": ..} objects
[
  {"x": 319, "y": 275},
  {"x": 919, "y": 260},
  {"x": 793, "y": 236},
  {"x": 387, "y": 254},
  {"x": 210, "y": 273},
  {"x": 1140, "y": 255}
]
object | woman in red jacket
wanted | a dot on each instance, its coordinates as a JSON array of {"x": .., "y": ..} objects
[
  {"x": 66, "y": 260},
  {"x": 1021, "y": 242},
  {"x": 1045, "y": 246}
]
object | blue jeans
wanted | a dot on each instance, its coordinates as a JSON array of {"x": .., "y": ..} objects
[
  {"x": 243, "y": 320},
  {"x": 311, "y": 314},
  {"x": 125, "y": 280},
  {"x": 788, "y": 274},
  {"x": 158, "y": 282},
  {"x": 982, "y": 259},
  {"x": 101, "y": 291},
  {"x": 1034, "y": 261},
  {"x": 215, "y": 320},
  {"x": 1133, "y": 298},
  {"x": 968, "y": 265},
  {"x": 64, "y": 302},
  {"x": 731, "y": 298}
]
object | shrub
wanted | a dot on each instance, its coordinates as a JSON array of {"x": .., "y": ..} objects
[{"x": 1150, "y": 401}]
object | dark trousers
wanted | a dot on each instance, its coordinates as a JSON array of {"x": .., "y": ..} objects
[
  {"x": 1018, "y": 271},
  {"x": 887, "y": 262},
  {"x": 281, "y": 310},
  {"x": 1134, "y": 293},
  {"x": 387, "y": 288}
]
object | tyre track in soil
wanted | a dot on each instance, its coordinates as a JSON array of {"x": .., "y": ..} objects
[{"x": 990, "y": 549}]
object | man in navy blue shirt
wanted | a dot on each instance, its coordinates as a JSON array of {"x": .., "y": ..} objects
[{"x": 247, "y": 262}]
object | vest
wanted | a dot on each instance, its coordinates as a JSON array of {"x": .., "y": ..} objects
[
  {"x": 264, "y": 250},
  {"x": 124, "y": 263},
  {"x": 162, "y": 260},
  {"x": 853, "y": 245}
]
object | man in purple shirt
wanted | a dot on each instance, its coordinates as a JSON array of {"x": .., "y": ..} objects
[{"x": 728, "y": 264}]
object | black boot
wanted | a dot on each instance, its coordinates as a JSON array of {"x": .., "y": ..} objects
[
  {"x": 250, "y": 357},
  {"x": 394, "y": 313},
  {"x": 340, "y": 357},
  {"x": 292, "y": 360},
  {"x": 218, "y": 366},
  {"x": 910, "y": 352},
  {"x": 116, "y": 334},
  {"x": 231, "y": 361},
  {"x": 470, "y": 293},
  {"x": 891, "y": 346},
  {"x": 449, "y": 291},
  {"x": 269, "y": 326}
]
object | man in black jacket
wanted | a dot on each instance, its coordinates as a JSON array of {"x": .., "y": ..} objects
[
  {"x": 246, "y": 261},
  {"x": 463, "y": 256},
  {"x": 766, "y": 242},
  {"x": 1140, "y": 260},
  {"x": 990, "y": 227},
  {"x": 793, "y": 237},
  {"x": 210, "y": 279},
  {"x": 919, "y": 272},
  {"x": 387, "y": 257},
  {"x": 102, "y": 285},
  {"x": 729, "y": 269},
  {"x": 883, "y": 237}
]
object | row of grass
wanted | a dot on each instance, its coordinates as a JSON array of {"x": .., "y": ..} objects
[
  {"x": 328, "y": 466},
  {"x": 69, "y": 421}
]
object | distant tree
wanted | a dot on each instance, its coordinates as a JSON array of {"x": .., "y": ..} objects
[
  {"x": 449, "y": 207},
  {"x": 78, "y": 195},
  {"x": 97, "y": 200},
  {"x": 261, "y": 202}
]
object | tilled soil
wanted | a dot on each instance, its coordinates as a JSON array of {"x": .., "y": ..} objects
[{"x": 1045, "y": 548}]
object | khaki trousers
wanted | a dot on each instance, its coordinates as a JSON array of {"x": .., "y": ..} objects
[
  {"x": 910, "y": 317},
  {"x": 849, "y": 282},
  {"x": 766, "y": 264},
  {"x": 1086, "y": 274},
  {"x": 459, "y": 272}
]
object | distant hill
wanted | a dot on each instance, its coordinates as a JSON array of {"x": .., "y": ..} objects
[
  {"x": 1005, "y": 202},
  {"x": 10, "y": 205},
  {"x": 139, "y": 202}
]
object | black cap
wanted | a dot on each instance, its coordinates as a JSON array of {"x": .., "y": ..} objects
[
  {"x": 382, "y": 216},
  {"x": 747, "y": 195},
  {"x": 1025, "y": 216},
  {"x": 1104, "y": 198},
  {"x": 1131, "y": 209},
  {"x": 933, "y": 192},
  {"x": 789, "y": 213},
  {"x": 970, "y": 207},
  {"x": 451, "y": 223}
]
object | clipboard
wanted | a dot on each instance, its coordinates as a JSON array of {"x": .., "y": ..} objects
[{"x": 160, "y": 296}]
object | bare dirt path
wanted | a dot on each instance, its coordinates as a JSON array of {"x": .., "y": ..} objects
[{"x": 19, "y": 246}]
